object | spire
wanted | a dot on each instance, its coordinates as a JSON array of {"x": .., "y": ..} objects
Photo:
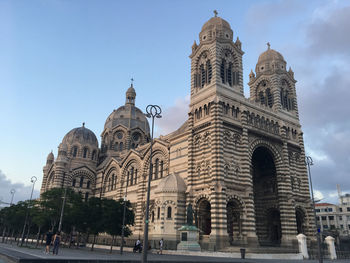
[{"x": 130, "y": 94}]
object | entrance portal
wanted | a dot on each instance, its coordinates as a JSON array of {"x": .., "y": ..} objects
[
  {"x": 268, "y": 223},
  {"x": 204, "y": 216},
  {"x": 234, "y": 226}
]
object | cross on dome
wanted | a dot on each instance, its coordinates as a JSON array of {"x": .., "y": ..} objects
[
  {"x": 215, "y": 13},
  {"x": 268, "y": 45}
]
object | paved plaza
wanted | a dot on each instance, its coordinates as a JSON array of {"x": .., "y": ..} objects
[{"x": 13, "y": 253}]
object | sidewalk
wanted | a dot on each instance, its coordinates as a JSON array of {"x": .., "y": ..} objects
[{"x": 65, "y": 255}]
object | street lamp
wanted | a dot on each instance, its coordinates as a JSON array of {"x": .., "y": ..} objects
[
  {"x": 12, "y": 192},
  {"x": 124, "y": 211},
  {"x": 153, "y": 111},
  {"x": 63, "y": 203},
  {"x": 309, "y": 162},
  {"x": 32, "y": 180}
]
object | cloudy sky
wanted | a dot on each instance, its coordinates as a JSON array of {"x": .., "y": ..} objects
[{"x": 67, "y": 62}]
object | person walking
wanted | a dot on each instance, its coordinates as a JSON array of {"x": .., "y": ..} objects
[
  {"x": 49, "y": 235},
  {"x": 56, "y": 243},
  {"x": 161, "y": 246}
]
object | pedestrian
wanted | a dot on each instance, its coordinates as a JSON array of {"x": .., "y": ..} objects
[
  {"x": 49, "y": 235},
  {"x": 161, "y": 246},
  {"x": 56, "y": 242}
]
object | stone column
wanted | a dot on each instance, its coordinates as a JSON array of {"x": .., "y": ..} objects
[{"x": 303, "y": 246}]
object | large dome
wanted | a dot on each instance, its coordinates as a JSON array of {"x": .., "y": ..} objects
[
  {"x": 216, "y": 22},
  {"x": 128, "y": 115},
  {"x": 80, "y": 135}
]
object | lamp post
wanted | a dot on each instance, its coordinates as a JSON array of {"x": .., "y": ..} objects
[
  {"x": 153, "y": 111},
  {"x": 63, "y": 204},
  {"x": 124, "y": 211},
  {"x": 309, "y": 162},
  {"x": 12, "y": 192},
  {"x": 32, "y": 180}
]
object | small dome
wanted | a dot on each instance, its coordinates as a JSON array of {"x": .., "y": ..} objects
[
  {"x": 50, "y": 157},
  {"x": 270, "y": 61},
  {"x": 172, "y": 183},
  {"x": 81, "y": 135},
  {"x": 216, "y": 28}
]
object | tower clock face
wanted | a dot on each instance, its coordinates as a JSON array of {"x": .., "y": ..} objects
[{"x": 136, "y": 136}]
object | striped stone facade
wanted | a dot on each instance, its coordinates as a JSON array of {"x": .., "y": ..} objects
[{"x": 239, "y": 162}]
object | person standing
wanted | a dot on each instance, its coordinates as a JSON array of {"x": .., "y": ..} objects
[
  {"x": 161, "y": 246},
  {"x": 49, "y": 235},
  {"x": 56, "y": 242}
]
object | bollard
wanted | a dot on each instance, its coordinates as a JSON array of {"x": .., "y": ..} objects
[
  {"x": 331, "y": 247},
  {"x": 242, "y": 253},
  {"x": 302, "y": 246}
]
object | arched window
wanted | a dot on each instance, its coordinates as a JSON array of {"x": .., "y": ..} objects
[
  {"x": 205, "y": 109},
  {"x": 93, "y": 155},
  {"x": 161, "y": 168},
  {"x": 75, "y": 151},
  {"x": 116, "y": 146},
  {"x": 121, "y": 146},
  {"x": 200, "y": 112},
  {"x": 229, "y": 74},
  {"x": 74, "y": 182},
  {"x": 222, "y": 70},
  {"x": 209, "y": 71},
  {"x": 112, "y": 183},
  {"x": 169, "y": 213},
  {"x": 132, "y": 176},
  {"x": 156, "y": 169},
  {"x": 109, "y": 184},
  {"x": 88, "y": 184},
  {"x": 81, "y": 181},
  {"x": 85, "y": 152},
  {"x": 203, "y": 75},
  {"x": 158, "y": 213},
  {"x": 152, "y": 216},
  {"x": 127, "y": 179},
  {"x": 196, "y": 114},
  {"x": 269, "y": 98},
  {"x": 135, "y": 176},
  {"x": 86, "y": 196}
]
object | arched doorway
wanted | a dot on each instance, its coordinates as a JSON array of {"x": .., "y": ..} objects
[
  {"x": 268, "y": 223},
  {"x": 204, "y": 216},
  {"x": 234, "y": 224},
  {"x": 300, "y": 218}
]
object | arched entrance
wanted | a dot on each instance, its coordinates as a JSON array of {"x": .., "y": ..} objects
[
  {"x": 300, "y": 218},
  {"x": 234, "y": 224},
  {"x": 204, "y": 216},
  {"x": 268, "y": 223}
]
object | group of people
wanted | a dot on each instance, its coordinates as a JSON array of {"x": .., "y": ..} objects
[{"x": 52, "y": 239}]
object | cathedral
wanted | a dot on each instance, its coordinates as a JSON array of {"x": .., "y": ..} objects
[{"x": 240, "y": 162}]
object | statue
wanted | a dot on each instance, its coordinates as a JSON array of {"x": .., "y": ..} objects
[{"x": 189, "y": 215}]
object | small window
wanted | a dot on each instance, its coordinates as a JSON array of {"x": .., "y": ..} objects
[
  {"x": 86, "y": 196},
  {"x": 330, "y": 209},
  {"x": 324, "y": 218},
  {"x": 93, "y": 155},
  {"x": 340, "y": 209},
  {"x": 81, "y": 181},
  {"x": 121, "y": 146},
  {"x": 75, "y": 151},
  {"x": 158, "y": 213},
  {"x": 317, "y": 218},
  {"x": 152, "y": 216},
  {"x": 169, "y": 212},
  {"x": 317, "y": 210},
  {"x": 331, "y": 217},
  {"x": 74, "y": 182},
  {"x": 340, "y": 218},
  {"x": 85, "y": 153},
  {"x": 348, "y": 209},
  {"x": 88, "y": 184}
]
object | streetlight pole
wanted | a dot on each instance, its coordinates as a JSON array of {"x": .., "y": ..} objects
[
  {"x": 63, "y": 204},
  {"x": 153, "y": 111},
  {"x": 309, "y": 162},
  {"x": 124, "y": 211},
  {"x": 32, "y": 180},
  {"x": 12, "y": 192}
]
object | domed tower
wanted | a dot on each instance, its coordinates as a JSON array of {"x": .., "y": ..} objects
[
  {"x": 77, "y": 157},
  {"x": 125, "y": 128},
  {"x": 216, "y": 63},
  {"x": 273, "y": 86}
]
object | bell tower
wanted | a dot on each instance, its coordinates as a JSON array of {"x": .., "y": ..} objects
[{"x": 216, "y": 63}]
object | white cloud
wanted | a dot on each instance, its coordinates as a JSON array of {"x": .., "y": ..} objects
[{"x": 318, "y": 195}]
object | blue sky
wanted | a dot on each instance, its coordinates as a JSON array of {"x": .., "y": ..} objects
[{"x": 67, "y": 62}]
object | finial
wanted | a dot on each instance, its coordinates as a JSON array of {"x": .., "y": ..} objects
[
  {"x": 83, "y": 124},
  {"x": 215, "y": 13},
  {"x": 268, "y": 45},
  {"x": 132, "y": 82}
]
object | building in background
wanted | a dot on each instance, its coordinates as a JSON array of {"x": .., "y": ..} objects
[
  {"x": 240, "y": 162},
  {"x": 332, "y": 217}
]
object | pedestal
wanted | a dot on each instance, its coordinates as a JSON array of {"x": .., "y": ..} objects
[
  {"x": 331, "y": 247},
  {"x": 189, "y": 239},
  {"x": 302, "y": 246}
]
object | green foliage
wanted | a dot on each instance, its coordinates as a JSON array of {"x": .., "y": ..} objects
[{"x": 92, "y": 217}]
